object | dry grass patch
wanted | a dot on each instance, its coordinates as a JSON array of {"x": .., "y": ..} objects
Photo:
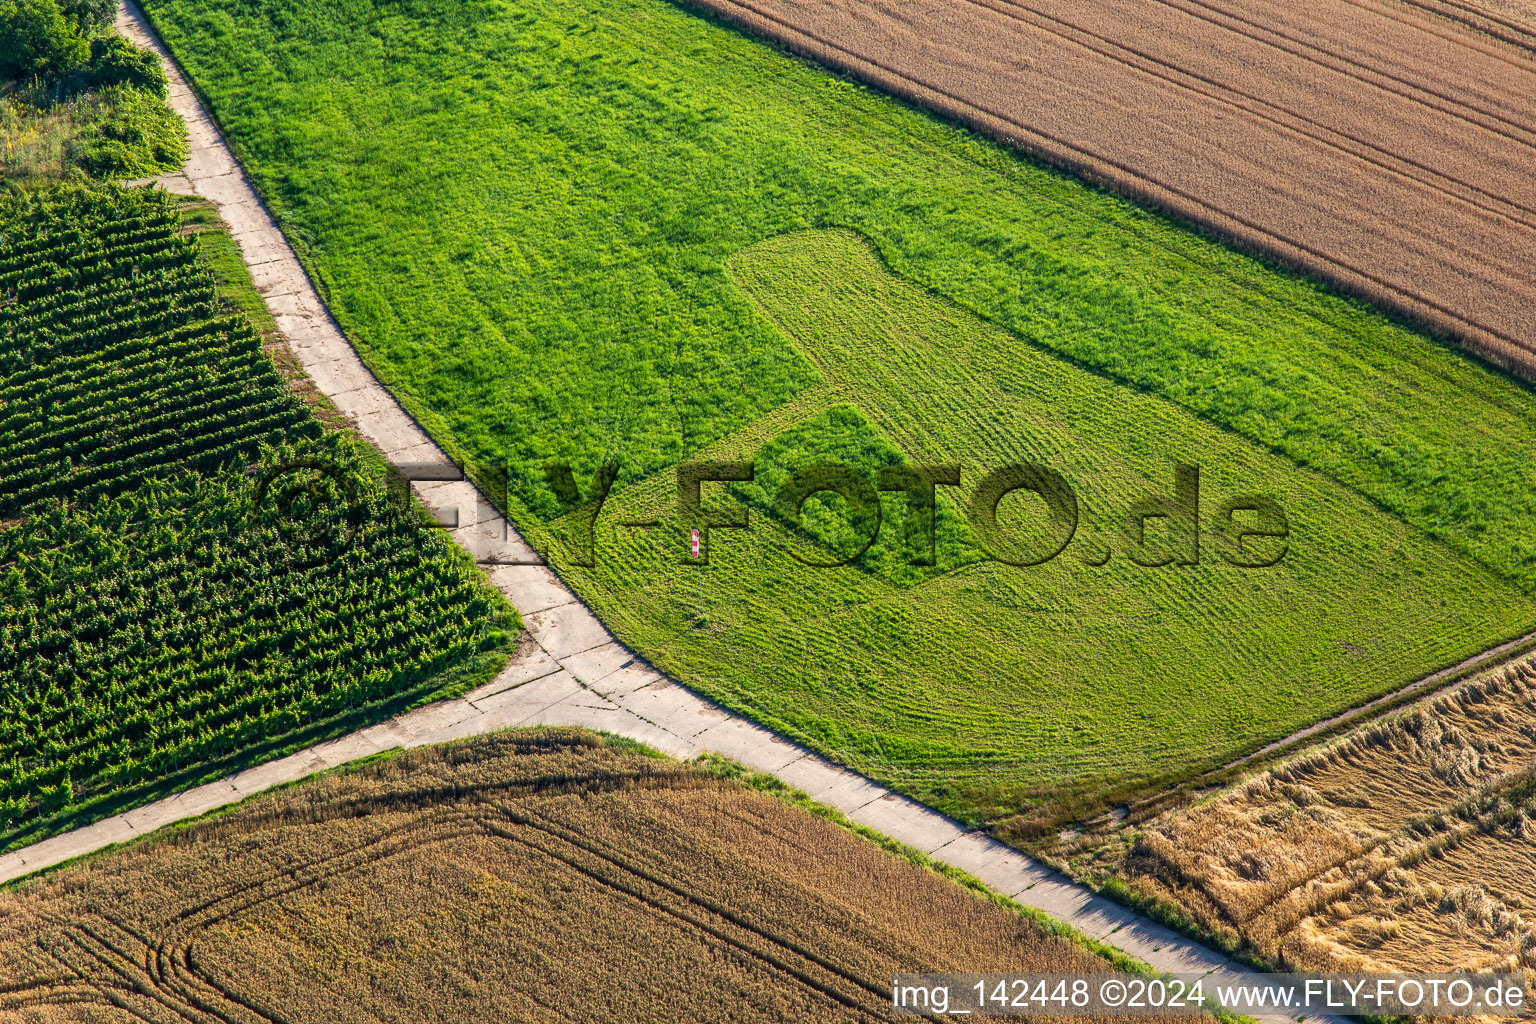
[
  {"x": 1343, "y": 855},
  {"x": 528, "y": 876},
  {"x": 1467, "y": 906}
]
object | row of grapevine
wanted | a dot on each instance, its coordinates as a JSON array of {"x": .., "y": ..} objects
[
  {"x": 153, "y": 617},
  {"x": 121, "y": 277}
]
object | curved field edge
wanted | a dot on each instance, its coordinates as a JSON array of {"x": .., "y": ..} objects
[
  {"x": 218, "y": 258},
  {"x": 1328, "y": 404}
]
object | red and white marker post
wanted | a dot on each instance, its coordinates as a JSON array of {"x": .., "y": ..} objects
[{"x": 693, "y": 543}]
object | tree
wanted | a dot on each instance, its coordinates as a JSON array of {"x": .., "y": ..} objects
[{"x": 38, "y": 41}]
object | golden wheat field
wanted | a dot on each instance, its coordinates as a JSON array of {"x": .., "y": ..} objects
[
  {"x": 532, "y": 876},
  {"x": 1409, "y": 844}
]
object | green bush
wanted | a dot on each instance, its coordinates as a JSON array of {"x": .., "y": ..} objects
[
  {"x": 116, "y": 61},
  {"x": 90, "y": 15},
  {"x": 130, "y": 133},
  {"x": 38, "y": 41}
]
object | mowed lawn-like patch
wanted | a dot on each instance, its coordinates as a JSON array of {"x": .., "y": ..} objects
[
  {"x": 531, "y": 876},
  {"x": 527, "y": 216},
  {"x": 975, "y": 679}
]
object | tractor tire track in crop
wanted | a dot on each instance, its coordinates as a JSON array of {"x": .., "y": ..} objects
[
  {"x": 1354, "y": 145},
  {"x": 1404, "y": 87},
  {"x": 434, "y": 811},
  {"x": 152, "y": 973},
  {"x": 632, "y": 881},
  {"x": 1479, "y": 19}
]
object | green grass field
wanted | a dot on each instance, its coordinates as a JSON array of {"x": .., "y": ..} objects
[
  {"x": 620, "y": 232},
  {"x": 973, "y": 680}
]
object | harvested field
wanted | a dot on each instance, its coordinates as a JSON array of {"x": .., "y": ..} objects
[
  {"x": 1405, "y": 845},
  {"x": 1469, "y": 906},
  {"x": 1383, "y": 150},
  {"x": 528, "y": 876}
]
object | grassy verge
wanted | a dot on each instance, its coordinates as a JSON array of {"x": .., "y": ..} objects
[
  {"x": 221, "y": 255},
  {"x": 78, "y": 100}
]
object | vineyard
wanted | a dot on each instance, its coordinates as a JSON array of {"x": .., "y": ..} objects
[
  {"x": 194, "y": 573},
  {"x": 119, "y": 359},
  {"x": 537, "y": 876},
  {"x": 617, "y": 234}
]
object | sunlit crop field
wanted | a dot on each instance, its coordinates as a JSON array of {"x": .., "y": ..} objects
[
  {"x": 529, "y": 876},
  {"x": 1404, "y": 845}
]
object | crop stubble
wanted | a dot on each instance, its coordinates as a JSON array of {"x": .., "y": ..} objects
[
  {"x": 1383, "y": 150},
  {"x": 525, "y": 876}
]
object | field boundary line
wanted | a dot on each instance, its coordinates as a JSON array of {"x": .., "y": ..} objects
[
  {"x": 1426, "y": 686},
  {"x": 1491, "y": 344}
]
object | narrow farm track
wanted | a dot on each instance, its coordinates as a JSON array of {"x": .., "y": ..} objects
[{"x": 1381, "y": 150}]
